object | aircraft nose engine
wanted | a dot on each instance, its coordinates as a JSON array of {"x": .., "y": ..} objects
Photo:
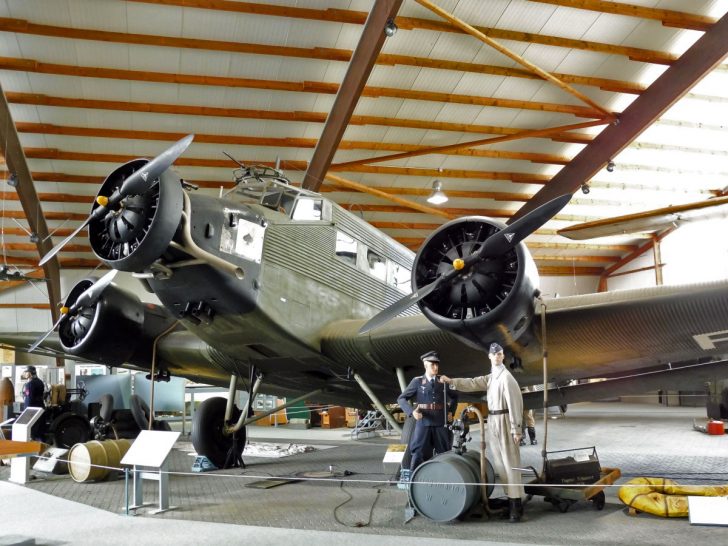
[
  {"x": 106, "y": 330},
  {"x": 134, "y": 235},
  {"x": 495, "y": 290}
]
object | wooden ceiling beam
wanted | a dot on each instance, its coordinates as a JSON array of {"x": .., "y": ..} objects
[
  {"x": 296, "y": 116},
  {"x": 669, "y": 18},
  {"x": 17, "y": 164},
  {"x": 452, "y": 211},
  {"x": 470, "y": 194},
  {"x": 33, "y": 66},
  {"x": 528, "y": 65},
  {"x": 30, "y": 247},
  {"x": 416, "y": 23},
  {"x": 699, "y": 60},
  {"x": 409, "y": 149},
  {"x": 56, "y": 233},
  {"x": 417, "y": 241},
  {"x": 295, "y": 165},
  {"x": 350, "y": 91},
  {"x": 25, "y": 306},
  {"x": 464, "y": 148},
  {"x": 20, "y": 214},
  {"x": 349, "y": 184},
  {"x": 23, "y": 26},
  {"x": 566, "y": 271},
  {"x": 66, "y": 263}
]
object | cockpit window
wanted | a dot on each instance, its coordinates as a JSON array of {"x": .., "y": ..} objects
[
  {"x": 346, "y": 248},
  {"x": 307, "y": 208},
  {"x": 377, "y": 265}
]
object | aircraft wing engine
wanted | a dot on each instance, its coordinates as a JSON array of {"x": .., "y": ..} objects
[
  {"x": 140, "y": 230},
  {"x": 114, "y": 329},
  {"x": 494, "y": 295}
]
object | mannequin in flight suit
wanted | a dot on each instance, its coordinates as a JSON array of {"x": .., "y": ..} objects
[{"x": 505, "y": 411}]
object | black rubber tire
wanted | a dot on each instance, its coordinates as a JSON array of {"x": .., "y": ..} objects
[
  {"x": 161, "y": 425},
  {"x": 69, "y": 429},
  {"x": 207, "y": 436},
  {"x": 107, "y": 407},
  {"x": 408, "y": 428},
  {"x": 141, "y": 412},
  {"x": 78, "y": 407}
]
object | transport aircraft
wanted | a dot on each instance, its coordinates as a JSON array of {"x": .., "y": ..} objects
[{"x": 275, "y": 288}]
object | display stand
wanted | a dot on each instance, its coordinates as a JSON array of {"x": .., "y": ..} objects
[
  {"x": 148, "y": 456},
  {"x": 20, "y": 466}
]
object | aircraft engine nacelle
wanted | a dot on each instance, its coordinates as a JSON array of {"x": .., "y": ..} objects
[
  {"x": 138, "y": 232},
  {"x": 495, "y": 295},
  {"x": 118, "y": 328}
]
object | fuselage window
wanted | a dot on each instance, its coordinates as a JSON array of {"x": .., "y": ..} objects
[
  {"x": 346, "y": 248},
  {"x": 400, "y": 277},
  {"x": 307, "y": 209},
  {"x": 377, "y": 265}
]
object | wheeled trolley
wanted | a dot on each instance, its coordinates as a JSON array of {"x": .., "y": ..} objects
[{"x": 576, "y": 477}]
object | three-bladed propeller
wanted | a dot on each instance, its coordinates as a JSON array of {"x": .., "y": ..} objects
[
  {"x": 87, "y": 298},
  {"x": 496, "y": 245},
  {"x": 136, "y": 184}
]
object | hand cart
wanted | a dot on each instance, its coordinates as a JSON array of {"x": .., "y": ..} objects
[{"x": 569, "y": 479}]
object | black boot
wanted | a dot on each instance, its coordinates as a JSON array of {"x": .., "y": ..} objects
[
  {"x": 516, "y": 510},
  {"x": 532, "y": 435}
]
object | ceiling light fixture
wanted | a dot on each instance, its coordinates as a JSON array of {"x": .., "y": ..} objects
[
  {"x": 13, "y": 180},
  {"x": 610, "y": 166},
  {"x": 585, "y": 189},
  {"x": 437, "y": 197},
  {"x": 390, "y": 29}
]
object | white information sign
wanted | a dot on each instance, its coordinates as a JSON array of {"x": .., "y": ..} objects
[{"x": 151, "y": 448}]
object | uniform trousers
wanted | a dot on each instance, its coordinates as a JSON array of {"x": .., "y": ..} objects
[{"x": 427, "y": 438}]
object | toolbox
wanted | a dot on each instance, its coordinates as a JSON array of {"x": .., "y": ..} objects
[{"x": 581, "y": 466}]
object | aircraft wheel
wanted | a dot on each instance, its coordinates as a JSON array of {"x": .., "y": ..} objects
[
  {"x": 69, "y": 429},
  {"x": 208, "y": 438},
  {"x": 141, "y": 412}
]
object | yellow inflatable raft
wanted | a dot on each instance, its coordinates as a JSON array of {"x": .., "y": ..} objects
[{"x": 664, "y": 497}]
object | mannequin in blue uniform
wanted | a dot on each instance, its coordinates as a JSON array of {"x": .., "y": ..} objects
[{"x": 429, "y": 412}]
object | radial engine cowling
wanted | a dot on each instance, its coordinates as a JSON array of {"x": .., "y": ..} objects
[
  {"x": 492, "y": 300},
  {"x": 139, "y": 230},
  {"x": 109, "y": 331}
]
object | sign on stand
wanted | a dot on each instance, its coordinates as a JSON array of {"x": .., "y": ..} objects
[
  {"x": 20, "y": 466},
  {"x": 149, "y": 457}
]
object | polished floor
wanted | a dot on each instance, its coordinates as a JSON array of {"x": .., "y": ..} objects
[{"x": 359, "y": 504}]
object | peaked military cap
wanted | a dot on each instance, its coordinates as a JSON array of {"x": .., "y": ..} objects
[
  {"x": 495, "y": 348},
  {"x": 431, "y": 355},
  {"x": 30, "y": 369}
]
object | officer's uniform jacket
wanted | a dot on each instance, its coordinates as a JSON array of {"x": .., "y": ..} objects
[{"x": 425, "y": 392}]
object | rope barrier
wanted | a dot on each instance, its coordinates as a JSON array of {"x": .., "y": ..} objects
[{"x": 348, "y": 479}]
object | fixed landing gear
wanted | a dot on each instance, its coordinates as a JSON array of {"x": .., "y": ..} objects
[{"x": 209, "y": 439}]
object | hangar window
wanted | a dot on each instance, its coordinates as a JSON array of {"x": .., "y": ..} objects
[
  {"x": 377, "y": 265},
  {"x": 346, "y": 248},
  {"x": 400, "y": 277}
]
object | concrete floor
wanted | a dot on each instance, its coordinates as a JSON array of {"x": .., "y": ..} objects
[{"x": 361, "y": 507}]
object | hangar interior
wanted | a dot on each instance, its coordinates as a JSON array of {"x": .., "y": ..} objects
[{"x": 376, "y": 105}]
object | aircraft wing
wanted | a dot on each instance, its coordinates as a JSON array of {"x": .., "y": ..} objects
[{"x": 596, "y": 335}]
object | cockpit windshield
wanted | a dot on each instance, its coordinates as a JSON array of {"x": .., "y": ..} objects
[{"x": 270, "y": 188}]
